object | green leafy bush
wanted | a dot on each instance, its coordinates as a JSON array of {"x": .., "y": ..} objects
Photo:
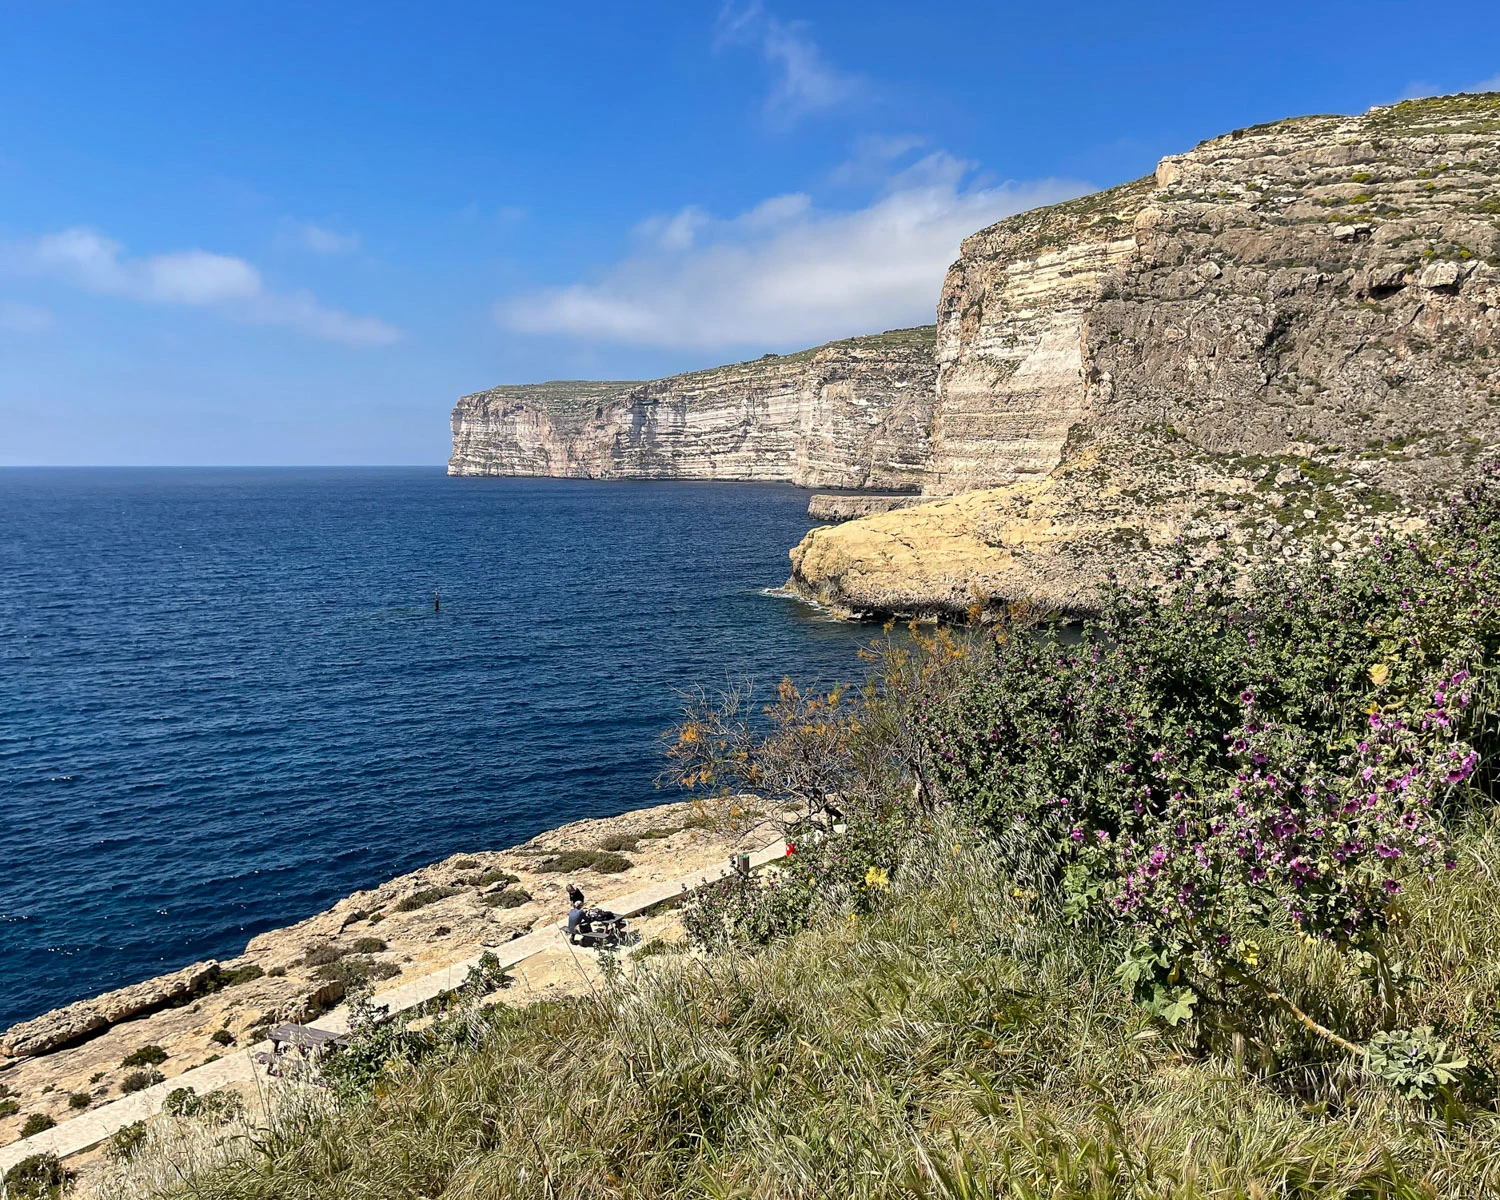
[
  {"x": 651, "y": 948},
  {"x": 367, "y": 945},
  {"x": 221, "y": 1037},
  {"x": 237, "y": 975},
  {"x": 126, "y": 1140},
  {"x": 355, "y": 971},
  {"x": 36, "y": 1123},
  {"x": 1414, "y": 1062},
  {"x": 508, "y": 897},
  {"x": 605, "y": 862},
  {"x": 496, "y": 875},
  {"x": 145, "y": 1056},
  {"x": 746, "y": 910},
  {"x": 321, "y": 956},
  {"x": 36, "y": 1177},
  {"x": 485, "y": 976},
  {"x": 423, "y": 898},
  {"x": 464, "y": 864},
  {"x": 77, "y": 1100},
  {"x": 137, "y": 1081},
  {"x": 182, "y": 1102}
]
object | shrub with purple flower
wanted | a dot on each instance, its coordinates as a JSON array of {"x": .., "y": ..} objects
[{"x": 1205, "y": 766}]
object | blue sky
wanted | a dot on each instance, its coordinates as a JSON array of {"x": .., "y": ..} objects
[{"x": 276, "y": 233}]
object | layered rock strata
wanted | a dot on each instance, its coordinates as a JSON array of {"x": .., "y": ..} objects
[
  {"x": 77, "y": 1022},
  {"x": 1287, "y": 338},
  {"x": 850, "y": 414},
  {"x": 824, "y": 506}
]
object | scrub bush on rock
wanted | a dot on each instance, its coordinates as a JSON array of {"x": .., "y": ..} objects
[
  {"x": 36, "y": 1123},
  {"x": 145, "y": 1056},
  {"x": 35, "y": 1177},
  {"x": 139, "y": 1081}
]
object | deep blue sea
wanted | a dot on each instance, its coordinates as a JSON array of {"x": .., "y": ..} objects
[{"x": 226, "y": 700}]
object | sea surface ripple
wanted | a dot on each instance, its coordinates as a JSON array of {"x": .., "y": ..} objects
[{"x": 226, "y": 700}]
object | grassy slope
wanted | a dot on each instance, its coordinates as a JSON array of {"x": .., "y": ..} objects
[{"x": 956, "y": 1043}]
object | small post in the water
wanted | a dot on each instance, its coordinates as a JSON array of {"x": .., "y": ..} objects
[{"x": 436, "y": 603}]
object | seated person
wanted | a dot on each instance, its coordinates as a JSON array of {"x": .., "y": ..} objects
[{"x": 575, "y": 914}]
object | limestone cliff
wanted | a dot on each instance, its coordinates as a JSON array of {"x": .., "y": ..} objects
[
  {"x": 1285, "y": 339},
  {"x": 850, "y": 414}
]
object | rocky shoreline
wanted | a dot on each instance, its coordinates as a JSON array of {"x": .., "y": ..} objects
[{"x": 69, "y": 1060}]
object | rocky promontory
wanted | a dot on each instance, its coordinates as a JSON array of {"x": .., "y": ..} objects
[
  {"x": 850, "y": 414},
  {"x": 1282, "y": 341}
]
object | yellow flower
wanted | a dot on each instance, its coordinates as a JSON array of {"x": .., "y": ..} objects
[
  {"x": 1379, "y": 673},
  {"x": 876, "y": 877},
  {"x": 957, "y": 848}
]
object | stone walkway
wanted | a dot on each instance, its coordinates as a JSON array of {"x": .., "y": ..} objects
[{"x": 87, "y": 1130}]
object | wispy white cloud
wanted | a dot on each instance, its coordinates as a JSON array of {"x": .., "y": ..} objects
[
  {"x": 505, "y": 214},
  {"x": 803, "y": 81},
  {"x": 1420, "y": 89},
  {"x": 785, "y": 272},
  {"x": 88, "y": 260},
  {"x": 873, "y": 158},
  {"x": 25, "y": 318},
  {"x": 319, "y": 240}
]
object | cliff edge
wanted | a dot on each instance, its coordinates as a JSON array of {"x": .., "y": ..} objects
[
  {"x": 850, "y": 414},
  {"x": 1282, "y": 342}
]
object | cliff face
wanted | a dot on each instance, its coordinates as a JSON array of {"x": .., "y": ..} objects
[
  {"x": 853, "y": 413},
  {"x": 1010, "y": 337},
  {"x": 1287, "y": 338}
]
